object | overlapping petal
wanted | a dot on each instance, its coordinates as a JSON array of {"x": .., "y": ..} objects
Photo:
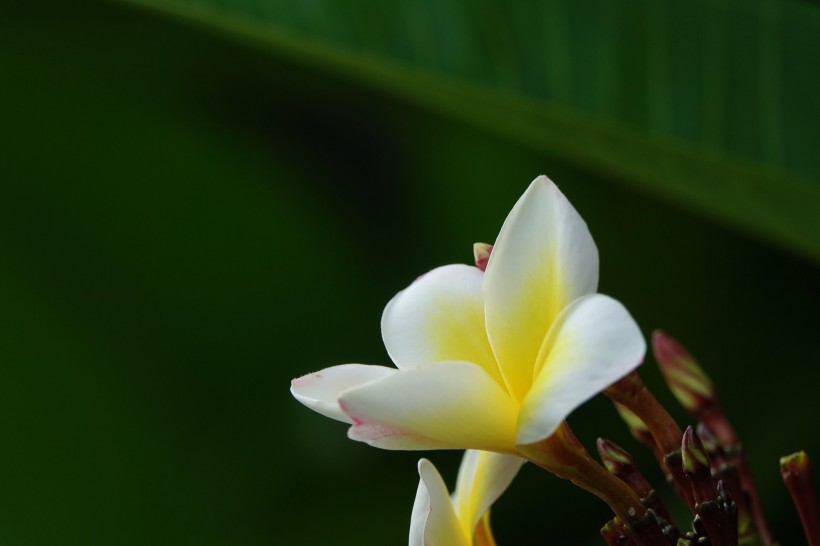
[
  {"x": 544, "y": 258},
  {"x": 593, "y": 343},
  {"x": 482, "y": 477},
  {"x": 447, "y": 405},
  {"x": 434, "y": 521},
  {"x": 320, "y": 390},
  {"x": 439, "y": 521},
  {"x": 440, "y": 317}
]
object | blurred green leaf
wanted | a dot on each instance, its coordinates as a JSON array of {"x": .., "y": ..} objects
[{"x": 712, "y": 104}]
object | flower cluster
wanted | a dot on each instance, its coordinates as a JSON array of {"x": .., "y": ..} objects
[{"x": 492, "y": 358}]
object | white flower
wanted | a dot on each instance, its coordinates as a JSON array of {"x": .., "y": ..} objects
[{"x": 490, "y": 360}]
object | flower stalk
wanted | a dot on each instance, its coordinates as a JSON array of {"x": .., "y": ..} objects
[
  {"x": 640, "y": 432},
  {"x": 631, "y": 392},
  {"x": 563, "y": 455},
  {"x": 674, "y": 465}
]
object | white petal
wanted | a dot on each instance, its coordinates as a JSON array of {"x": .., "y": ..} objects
[
  {"x": 592, "y": 344},
  {"x": 440, "y": 317},
  {"x": 320, "y": 390},
  {"x": 448, "y": 405},
  {"x": 482, "y": 478},
  {"x": 434, "y": 522},
  {"x": 418, "y": 518},
  {"x": 544, "y": 258}
]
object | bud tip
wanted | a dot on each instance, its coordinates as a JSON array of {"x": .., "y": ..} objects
[
  {"x": 481, "y": 253},
  {"x": 689, "y": 383},
  {"x": 694, "y": 455},
  {"x": 794, "y": 463}
]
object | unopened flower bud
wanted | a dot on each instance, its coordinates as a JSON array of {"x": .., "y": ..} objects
[
  {"x": 481, "y": 253},
  {"x": 713, "y": 448},
  {"x": 636, "y": 426},
  {"x": 620, "y": 463},
  {"x": 696, "y": 466},
  {"x": 725, "y": 471},
  {"x": 631, "y": 392},
  {"x": 796, "y": 472},
  {"x": 687, "y": 380}
]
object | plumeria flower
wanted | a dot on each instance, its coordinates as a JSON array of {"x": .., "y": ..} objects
[
  {"x": 464, "y": 519},
  {"x": 491, "y": 360}
]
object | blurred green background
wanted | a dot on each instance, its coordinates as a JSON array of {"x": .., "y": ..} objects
[{"x": 206, "y": 198}]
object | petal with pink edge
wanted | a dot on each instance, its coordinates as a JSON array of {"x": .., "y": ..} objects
[
  {"x": 544, "y": 258},
  {"x": 320, "y": 390},
  {"x": 592, "y": 344},
  {"x": 448, "y": 405}
]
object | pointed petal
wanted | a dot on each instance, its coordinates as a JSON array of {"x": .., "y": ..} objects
[
  {"x": 592, "y": 344},
  {"x": 433, "y": 521},
  {"x": 544, "y": 258},
  {"x": 320, "y": 390},
  {"x": 482, "y": 477},
  {"x": 439, "y": 317},
  {"x": 420, "y": 513},
  {"x": 448, "y": 405}
]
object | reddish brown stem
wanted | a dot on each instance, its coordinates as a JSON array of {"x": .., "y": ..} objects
[
  {"x": 797, "y": 474},
  {"x": 713, "y": 417},
  {"x": 632, "y": 393},
  {"x": 563, "y": 455}
]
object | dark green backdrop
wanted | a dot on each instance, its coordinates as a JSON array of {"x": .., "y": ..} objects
[{"x": 194, "y": 213}]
